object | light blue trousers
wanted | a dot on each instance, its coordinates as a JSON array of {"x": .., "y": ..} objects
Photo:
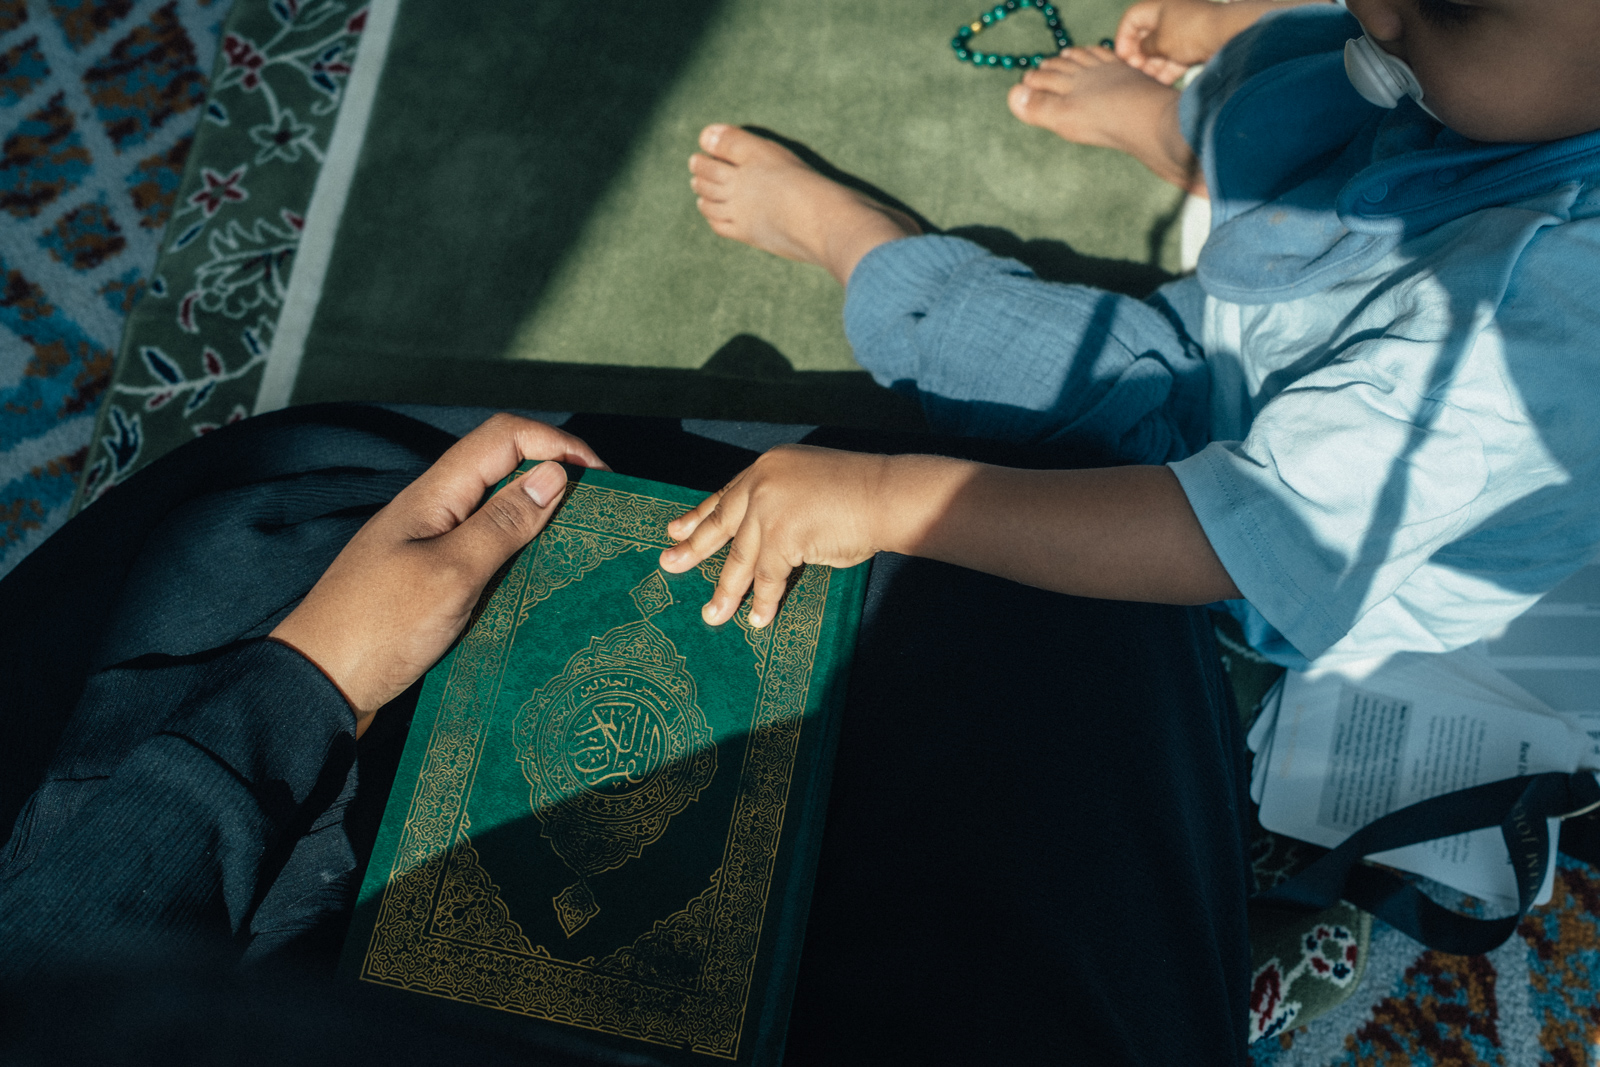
[{"x": 993, "y": 351}]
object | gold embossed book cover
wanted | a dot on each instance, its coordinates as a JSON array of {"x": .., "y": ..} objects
[{"x": 608, "y": 813}]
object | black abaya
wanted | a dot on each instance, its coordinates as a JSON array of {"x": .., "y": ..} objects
[{"x": 1034, "y": 846}]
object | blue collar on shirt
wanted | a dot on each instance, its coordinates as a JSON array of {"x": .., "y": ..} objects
[{"x": 1311, "y": 184}]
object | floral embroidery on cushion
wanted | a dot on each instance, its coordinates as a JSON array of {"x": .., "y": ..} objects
[{"x": 1328, "y": 952}]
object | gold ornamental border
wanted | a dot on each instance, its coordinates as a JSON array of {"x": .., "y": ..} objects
[{"x": 503, "y": 970}]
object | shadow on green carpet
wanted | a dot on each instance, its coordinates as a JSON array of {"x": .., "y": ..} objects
[
  {"x": 1052, "y": 260},
  {"x": 520, "y": 230}
]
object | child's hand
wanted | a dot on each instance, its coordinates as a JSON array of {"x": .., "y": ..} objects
[
  {"x": 794, "y": 505},
  {"x": 1124, "y": 533},
  {"x": 1164, "y": 38}
]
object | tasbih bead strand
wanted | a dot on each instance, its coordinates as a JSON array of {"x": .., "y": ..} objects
[{"x": 962, "y": 41}]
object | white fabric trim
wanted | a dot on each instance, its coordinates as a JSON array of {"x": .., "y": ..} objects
[{"x": 327, "y": 206}]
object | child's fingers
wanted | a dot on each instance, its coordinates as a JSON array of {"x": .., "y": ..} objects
[
  {"x": 681, "y": 527},
  {"x": 1129, "y": 43},
  {"x": 770, "y": 581},
  {"x": 711, "y": 531},
  {"x": 737, "y": 570},
  {"x": 1162, "y": 70}
]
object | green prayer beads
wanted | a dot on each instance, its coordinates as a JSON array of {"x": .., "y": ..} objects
[{"x": 962, "y": 41}]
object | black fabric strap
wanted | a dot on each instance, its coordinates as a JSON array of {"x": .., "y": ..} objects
[{"x": 1519, "y": 806}]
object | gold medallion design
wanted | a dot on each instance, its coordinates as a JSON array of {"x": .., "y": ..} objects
[
  {"x": 613, "y": 747},
  {"x": 651, "y": 596},
  {"x": 575, "y": 906}
]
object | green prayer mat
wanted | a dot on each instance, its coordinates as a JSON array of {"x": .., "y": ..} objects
[
  {"x": 504, "y": 216},
  {"x": 523, "y": 198}
]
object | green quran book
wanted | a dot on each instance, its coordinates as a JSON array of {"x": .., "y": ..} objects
[{"x": 608, "y": 812}]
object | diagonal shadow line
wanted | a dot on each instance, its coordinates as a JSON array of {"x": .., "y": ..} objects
[
  {"x": 1050, "y": 259},
  {"x": 486, "y": 158},
  {"x": 1389, "y": 506},
  {"x": 1162, "y": 227},
  {"x": 1281, "y": 379}
]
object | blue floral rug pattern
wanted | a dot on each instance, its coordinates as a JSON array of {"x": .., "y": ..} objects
[{"x": 98, "y": 105}]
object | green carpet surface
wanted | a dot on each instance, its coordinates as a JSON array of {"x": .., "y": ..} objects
[{"x": 522, "y": 198}]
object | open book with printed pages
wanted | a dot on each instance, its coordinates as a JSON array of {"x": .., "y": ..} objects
[
  {"x": 1337, "y": 748},
  {"x": 608, "y": 812}
]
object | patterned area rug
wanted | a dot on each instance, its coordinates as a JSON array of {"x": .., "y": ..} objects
[
  {"x": 98, "y": 105},
  {"x": 1531, "y": 1001},
  {"x": 195, "y": 347}
]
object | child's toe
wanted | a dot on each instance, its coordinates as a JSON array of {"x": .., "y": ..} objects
[
  {"x": 1083, "y": 57},
  {"x": 708, "y": 169},
  {"x": 715, "y": 213},
  {"x": 1054, "y": 77},
  {"x": 738, "y": 147},
  {"x": 714, "y": 192},
  {"x": 732, "y": 144},
  {"x": 1029, "y": 103},
  {"x": 1037, "y": 105},
  {"x": 1018, "y": 99},
  {"x": 711, "y": 137}
]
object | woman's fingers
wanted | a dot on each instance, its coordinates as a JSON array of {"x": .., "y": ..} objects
[
  {"x": 506, "y": 522},
  {"x": 453, "y": 487},
  {"x": 403, "y": 588}
]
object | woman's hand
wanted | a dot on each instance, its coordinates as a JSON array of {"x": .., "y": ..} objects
[
  {"x": 402, "y": 590},
  {"x": 794, "y": 505}
]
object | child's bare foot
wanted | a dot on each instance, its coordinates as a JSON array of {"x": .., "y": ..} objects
[
  {"x": 1089, "y": 96},
  {"x": 758, "y": 192}
]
